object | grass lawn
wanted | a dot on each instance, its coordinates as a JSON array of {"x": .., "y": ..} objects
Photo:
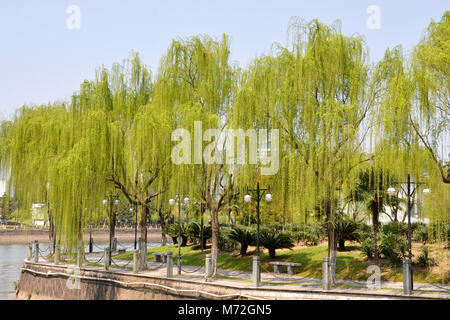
[{"x": 351, "y": 264}]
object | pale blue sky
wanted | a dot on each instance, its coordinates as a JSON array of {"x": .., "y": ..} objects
[{"x": 42, "y": 60}]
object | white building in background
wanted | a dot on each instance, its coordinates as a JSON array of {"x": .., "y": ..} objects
[
  {"x": 39, "y": 215},
  {"x": 2, "y": 187}
]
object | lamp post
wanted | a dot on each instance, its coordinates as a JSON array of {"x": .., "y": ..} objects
[
  {"x": 410, "y": 191},
  {"x": 111, "y": 199},
  {"x": 91, "y": 242},
  {"x": 172, "y": 202},
  {"x": 259, "y": 192}
]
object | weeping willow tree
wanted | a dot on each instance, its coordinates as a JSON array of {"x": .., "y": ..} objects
[
  {"x": 335, "y": 114},
  {"x": 412, "y": 118},
  {"x": 430, "y": 115},
  {"x": 73, "y": 154},
  {"x": 318, "y": 93},
  {"x": 195, "y": 82}
]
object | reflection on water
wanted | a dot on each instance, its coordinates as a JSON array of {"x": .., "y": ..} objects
[{"x": 11, "y": 260}]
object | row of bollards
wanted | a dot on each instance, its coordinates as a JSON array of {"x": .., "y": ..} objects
[
  {"x": 33, "y": 255},
  {"x": 407, "y": 276}
]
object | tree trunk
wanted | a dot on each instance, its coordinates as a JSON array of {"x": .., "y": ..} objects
[
  {"x": 143, "y": 226},
  {"x": 375, "y": 214},
  {"x": 341, "y": 245},
  {"x": 332, "y": 241},
  {"x": 51, "y": 232},
  {"x": 214, "y": 239},
  {"x": 163, "y": 224},
  {"x": 244, "y": 248},
  {"x": 272, "y": 253}
]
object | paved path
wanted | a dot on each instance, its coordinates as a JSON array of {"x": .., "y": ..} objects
[{"x": 243, "y": 278}]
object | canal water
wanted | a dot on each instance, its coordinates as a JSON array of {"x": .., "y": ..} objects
[{"x": 11, "y": 260}]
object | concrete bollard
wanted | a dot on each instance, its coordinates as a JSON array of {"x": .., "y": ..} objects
[
  {"x": 114, "y": 244},
  {"x": 36, "y": 251},
  {"x": 256, "y": 276},
  {"x": 30, "y": 251},
  {"x": 169, "y": 264},
  {"x": 325, "y": 274},
  {"x": 136, "y": 261},
  {"x": 208, "y": 265},
  {"x": 407, "y": 288},
  {"x": 106, "y": 259},
  {"x": 57, "y": 254}
]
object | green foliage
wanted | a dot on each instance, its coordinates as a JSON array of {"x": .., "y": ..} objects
[
  {"x": 394, "y": 247},
  {"x": 421, "y": 233},
  {"x": 310, "y": 233},
  {"x": 194, "y": 231},
  {"x": 368, "y": 245},
  {"x": 225, "y": 242},
  {"x": 424, "y": 260},
  {"x": 172, "y": 231},
  {"x": 244, "y": 235},
  {"x": 396, "y": 227},
  {"x": 347, "y": 230},
  {"x": 275, "y": 240},
  {"x": 319, "y": 91}
]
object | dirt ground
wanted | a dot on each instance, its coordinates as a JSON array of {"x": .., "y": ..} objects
[{"x": 25, "y": 236}]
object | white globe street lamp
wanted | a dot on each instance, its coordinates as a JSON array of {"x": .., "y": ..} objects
[
  {"x": 247, "y": 198},
  {"x": 391, "y": 191}
]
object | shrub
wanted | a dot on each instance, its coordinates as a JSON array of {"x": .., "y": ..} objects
[
  {"x": 368, "y": 245},
  {"x": 172, "y": 231},
  {"x": 245, "y": 236},
  {"x": 421, "y": 234},
  {"x": 347, "y": 230},
  {"x": 424, "y": 260},
  {"x": 396, "y": 227},
  {"x": 273, "y": 241},
  {"x": 310, "y": 233},
  {"x": 224, "y": 242},
  {"x": 194, "y": 231},
  {"x": 393, "y": 247}
]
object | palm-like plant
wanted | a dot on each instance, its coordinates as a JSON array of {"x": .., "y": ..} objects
[
  {"x": 273, "y": 241},
  {"x": 347, "y": 230},
  {"x": 194, "y": 231},
  {"x": 245, "y": 236},
  {"x": 172, "y": 231}
]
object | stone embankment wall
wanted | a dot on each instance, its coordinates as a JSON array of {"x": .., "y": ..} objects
[{"x": 48, "y": 281}]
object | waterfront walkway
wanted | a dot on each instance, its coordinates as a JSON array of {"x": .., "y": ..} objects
[{"x": 242, "y": 279}]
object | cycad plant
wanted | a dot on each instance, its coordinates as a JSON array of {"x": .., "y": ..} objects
[
  {"x": 273, "y": 241},
  {"x": 245, "y": 236},
  {"x": 194, "y": 231},
  {"x": 347, "y": 230},
  {"x": 172, "y": 231}
]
